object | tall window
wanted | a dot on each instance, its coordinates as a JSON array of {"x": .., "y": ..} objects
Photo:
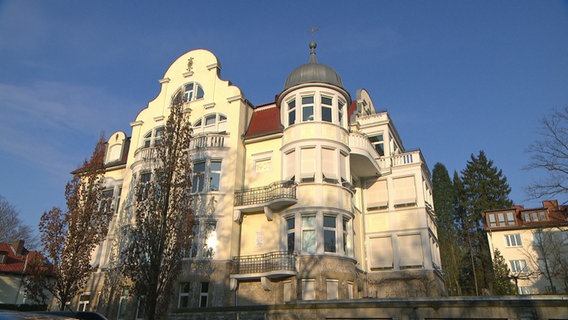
[
  {"x": 309, "y": 234},
  {"x": 204, "y": 294},
  {"x": 308, "y": 108},
  {"x": 140, "y": 308},
  {"x": 326, "y": 109},
  {"x": 291, "y": 112},
  {"x": 492, "y": 221},
  {"x": 144, "y": 185},
  {"x": 340, "y": 105},
  {"x": 183, "y": 301},
  {"x": 329, "y": 228},
  {"x": 106, "y": 203},
  {"x": 206, "y": 176},
  {"x": 510, "y": 218},
  {"x": 378, "y": 142},
  {"x": 346, "y": 240},
  {"x": 192, "y": 91},
  {"x": 84, "y": 300},
  {"x": 291, "y": 226},
  {"x": 513, "y": 240},
  {"x": 205, "y": 241},
  {"x": 153, "y": 137}
]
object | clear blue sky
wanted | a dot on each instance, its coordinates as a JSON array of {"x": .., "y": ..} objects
[{"x": 456, "y": 76}]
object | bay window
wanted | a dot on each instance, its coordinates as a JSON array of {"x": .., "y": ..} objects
[{"x": 319, "y": 232}]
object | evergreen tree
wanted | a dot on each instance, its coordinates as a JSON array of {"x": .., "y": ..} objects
[
  {"x": 484, "y": 188},
  {"x": 444, "y": 201},
  {"x": 502, "y": 284}
]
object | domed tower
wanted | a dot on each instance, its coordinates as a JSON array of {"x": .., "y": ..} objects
[{"x": 315, "y": 155}]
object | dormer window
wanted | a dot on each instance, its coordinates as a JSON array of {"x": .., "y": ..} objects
[
  {"x": 192, "y": 92},
  {"x": 153, "y": 137}
]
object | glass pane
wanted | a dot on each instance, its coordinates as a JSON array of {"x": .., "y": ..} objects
[
  {"x": 199, "y": 92},
  {"x": 291, "y": 241},
  {"x": 199, "y": 167},
  {"x": 291, "y": 223},
  {"x": 329, "y": 221},
  {"x": 307, "y": 100},
  {"x": 309, "y": 241},
  {"x": 210, "y": 120},
  {"x": 291, "y": 104},
  {"x": 216, "y": 165},
  {"x": 326, "y": 114},
  {"x": 291, "y": 117},
  {"x": 329, "y": 240},
  {"x": 326, "y": 100},
  {"x": 215, "y": 179},
  {"x": 308, "y": 113},
  {"x": 309, "y": 222}
]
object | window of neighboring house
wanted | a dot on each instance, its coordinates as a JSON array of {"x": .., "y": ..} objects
[
  {"x": 84, "y": 300},
  {"x": 291, "y": 226},
  {"x": 542, "y": 215},
  {"x": 144, "y": 185},
  {"x": 183, "y": 301},
  {"x": 378, "y": 143},
  {"x": 192, "y": 92},
  {"x": 534, "y": 216},
  {"x": 153, "y": 137},
  {"x": 326, "y": 109},
  {"x": 329, "y": 229},
  {"x": 204, "y": 294},
  {"x": 513, "y": 240},
  {"x": 518, "y": 266},
  {"x": 510, "y": 218},
  {"x": 501, "y": 218},
  {"x": 308, "y": 108},
  {"x": 309, "y": 234},
  {"x": 492, "y": 221},
  {"x": 206, "y": 176},
  {"x": 291, "y": 112}
]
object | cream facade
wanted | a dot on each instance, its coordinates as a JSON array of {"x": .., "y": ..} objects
[
  {"x": 534, "y": 243},
  {"x": 309, "y": 197}
]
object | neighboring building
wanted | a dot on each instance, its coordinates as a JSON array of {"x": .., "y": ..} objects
[
  {"x": 534, "y": 242},
  {"x": 309, "y": 197},
  {"x": 14, "y": 259}
]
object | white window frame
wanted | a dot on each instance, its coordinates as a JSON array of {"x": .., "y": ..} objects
[
  {"x": 194, "y": 93},
  {"x": 202, "y": 180},
  {"x": 184, "y": 294},
  {"x": 513, "y": 240},
  {"x": 518, "y": 266}
]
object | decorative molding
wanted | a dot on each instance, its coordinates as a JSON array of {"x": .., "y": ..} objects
[
  {"x": 268, "y": 213},
  {"x": 164, "y": 80},
  {"x": 136, "y": 123},
  {"x": 209, "y": 105},
  {"x": 235, "y": 98},
  {"x": 238, "y": 216},
  {"x": 213, "y": 66},
  {"x": 159, "y": 118},
  {"x": 187, "y": 74},
  {"x": 265, "y": 283},
  {"x": 233, "y": 284}
]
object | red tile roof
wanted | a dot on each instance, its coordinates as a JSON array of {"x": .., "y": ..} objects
[
  {"x": 14, "y": 263},
  {"x": 263, "y": 122}
]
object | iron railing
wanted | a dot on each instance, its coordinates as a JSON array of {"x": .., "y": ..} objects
[
  {"x": 264, "y": 263},
  {"x": 271, "y": 192}
]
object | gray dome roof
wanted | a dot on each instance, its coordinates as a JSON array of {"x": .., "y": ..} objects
[{"x": 313, "y": 72}]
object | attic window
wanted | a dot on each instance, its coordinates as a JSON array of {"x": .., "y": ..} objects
[{"x": 192, "y": 92}]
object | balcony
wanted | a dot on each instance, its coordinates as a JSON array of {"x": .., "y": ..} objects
[
  {"x": 210, "y": 140},
  {"x": 145, "y": 154},
  {"x": 271, "y": 197},
  {"x": 363, "y": 156},
  {"x": 271, "y": 265}
]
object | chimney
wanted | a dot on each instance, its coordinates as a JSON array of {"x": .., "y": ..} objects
[
  {"x": 18, "y": 247},
  {"x": 550, "y": 204}
]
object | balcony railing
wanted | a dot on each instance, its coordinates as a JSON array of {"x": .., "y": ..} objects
[
  {"x": 281, "y": 190},
  {"x": 210, "y": 140},
  {"x": 272, "y": 263},
  {"x": 145, "y": 153},
  {"x": 400, "y": 159}
]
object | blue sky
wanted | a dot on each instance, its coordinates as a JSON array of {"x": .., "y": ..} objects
[{"x": 456, "y": 76}]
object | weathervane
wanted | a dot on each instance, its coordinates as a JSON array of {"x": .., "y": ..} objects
[{"x": 313, "y": 30}]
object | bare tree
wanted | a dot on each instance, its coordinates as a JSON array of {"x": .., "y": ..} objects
[
  {"x": 12, "y": 228},
  {"x": 69, "y": 237},
  {"x": 550, "y": 153},
  {"x": 163, "y": 218},
  {"x": 551, "y": 256}
]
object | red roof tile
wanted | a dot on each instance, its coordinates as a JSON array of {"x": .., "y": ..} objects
[
  {"x": 14, "y": 263},
  {"x": 264, "y": 121}
]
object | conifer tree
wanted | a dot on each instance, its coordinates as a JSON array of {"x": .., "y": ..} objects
[
  {"x": 444, "y": 200},
  {"x": 502, "y": 284},
  {"x": 484, "y": 188}
]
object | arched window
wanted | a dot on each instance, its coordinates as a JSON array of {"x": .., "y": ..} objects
[
  {"x": 153, "y": 137},
  {"x": 192, "y": 91},
  {"x": 213, "y": 122}
]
